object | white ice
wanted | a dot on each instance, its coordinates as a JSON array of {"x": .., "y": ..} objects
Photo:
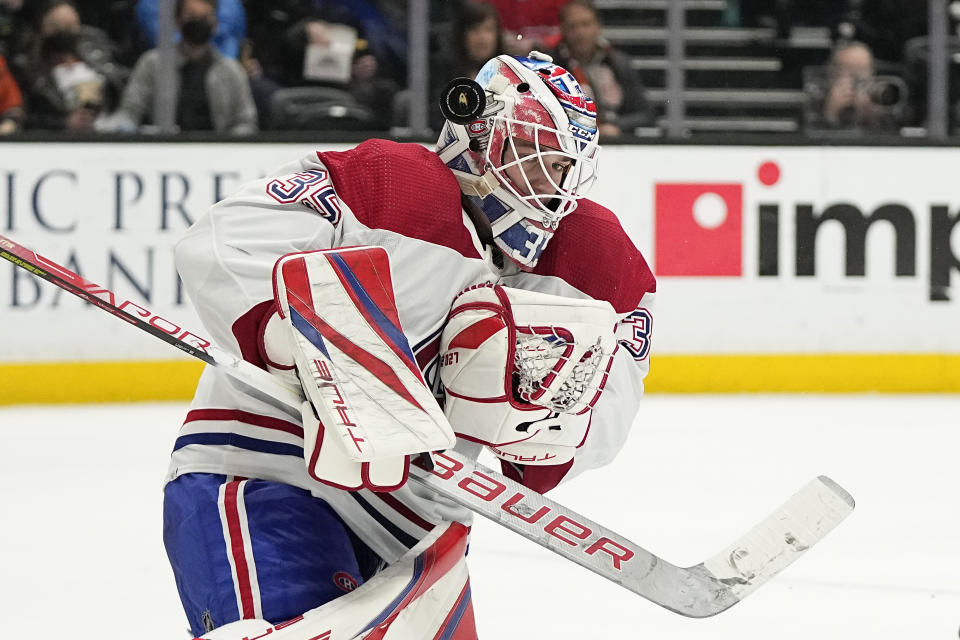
[{"x": 80, "y": 526}]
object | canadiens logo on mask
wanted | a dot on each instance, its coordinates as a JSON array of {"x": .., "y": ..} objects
[{"x": 525, "y": 151}]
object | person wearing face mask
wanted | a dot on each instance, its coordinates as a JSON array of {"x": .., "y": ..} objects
[
  {"x": 230, "y": 32},
  {"x": 213, "y": 93},
  {"x": 68, "y": 75}
]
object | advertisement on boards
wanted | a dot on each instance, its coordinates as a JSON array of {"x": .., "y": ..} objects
[
  {"x": 796, "y": 250},
  {"x": 764, "y": 251},
  {"x": 111, "y": 213}
]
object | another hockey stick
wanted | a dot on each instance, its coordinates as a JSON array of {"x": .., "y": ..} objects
[{"x": 698, "y": 591}]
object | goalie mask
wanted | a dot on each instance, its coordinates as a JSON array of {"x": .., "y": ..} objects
[{"x": 522, "y": 142}]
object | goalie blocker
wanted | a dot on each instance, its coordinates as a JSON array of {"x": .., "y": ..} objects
[{"x": 368, "y": 405}]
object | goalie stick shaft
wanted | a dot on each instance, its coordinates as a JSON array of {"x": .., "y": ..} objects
[
  {"x": 267, "y": 388},
  {"x": 698, "y": 591}
]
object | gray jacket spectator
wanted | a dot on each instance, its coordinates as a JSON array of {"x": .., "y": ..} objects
[
  {"x": 212, "y": 91},
  {"x": 227, "y": 92}
]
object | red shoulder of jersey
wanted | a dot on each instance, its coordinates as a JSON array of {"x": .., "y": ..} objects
[
  {"x": 592, "y": 252},
  {"x": 404, "y": 188}
]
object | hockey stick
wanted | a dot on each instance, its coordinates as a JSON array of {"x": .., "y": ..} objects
[{"x": 699, "y": 591}]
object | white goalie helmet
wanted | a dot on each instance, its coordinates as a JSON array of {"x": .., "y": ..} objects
[{"x": 522, "y": 142}]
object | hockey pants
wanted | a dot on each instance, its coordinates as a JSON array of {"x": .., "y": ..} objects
[{"x": 256, "y": 549}]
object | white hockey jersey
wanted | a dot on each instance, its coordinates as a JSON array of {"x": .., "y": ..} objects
[{"x": 400, "y": 197}]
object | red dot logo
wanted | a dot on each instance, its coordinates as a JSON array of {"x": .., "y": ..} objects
[
  {"x": 699, "y": 229},
  {"x": 769, "y": 173}
]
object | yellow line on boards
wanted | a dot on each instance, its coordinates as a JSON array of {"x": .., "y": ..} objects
[
  {"x": 815, "y": 373},
  {"x": 81, "y": 382},
  {"x": 139, "y": 381}
]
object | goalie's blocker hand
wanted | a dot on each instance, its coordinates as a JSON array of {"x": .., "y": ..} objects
[{"x": 368, "y": 406}]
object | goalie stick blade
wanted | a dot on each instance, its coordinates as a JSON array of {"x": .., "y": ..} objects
[
  {"x": 782, "y": 537},
  {"x": 699, "y": 591}
]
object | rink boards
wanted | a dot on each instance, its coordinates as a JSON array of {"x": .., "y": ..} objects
[{"x": 779, "y": 268}]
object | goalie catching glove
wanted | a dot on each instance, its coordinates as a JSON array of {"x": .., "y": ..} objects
[
  {"x": 522, "y": 370},
  {"x": 368, "y": 406}
]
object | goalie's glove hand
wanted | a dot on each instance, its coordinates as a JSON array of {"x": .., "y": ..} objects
[
  {"x": 523, "y": 370},
  {"x": 329, "y": 462}
]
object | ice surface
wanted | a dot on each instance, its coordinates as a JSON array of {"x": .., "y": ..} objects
[{"x": 80, "y": 495}]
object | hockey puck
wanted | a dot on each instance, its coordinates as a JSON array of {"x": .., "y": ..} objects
[{"x": 462, "y": 101}]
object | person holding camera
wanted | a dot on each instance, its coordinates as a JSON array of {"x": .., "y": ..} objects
[
  {"x": 850, "y": 72},
  {"x": 854, "y": 97}
]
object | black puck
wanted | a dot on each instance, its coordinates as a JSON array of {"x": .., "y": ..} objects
[{"x": 462, "y": 101}]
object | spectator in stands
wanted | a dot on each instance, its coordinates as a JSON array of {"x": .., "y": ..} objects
[
  {"x": 68, "y": 76},
  {"x": 111, "y": 18},
  {"x": 230, "y": 32},
  {"x": 603, "y": 71},
  {"x": 854, "y": 98},
  {"x": 476, "y": 37},
  {"x": 324, "y": 48},
  {"x": 212, "y": 90},
  {"x": 11, "y": 102},
  {"x": 850, "y": 71},
  {"x": 383, "y": 24}
]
